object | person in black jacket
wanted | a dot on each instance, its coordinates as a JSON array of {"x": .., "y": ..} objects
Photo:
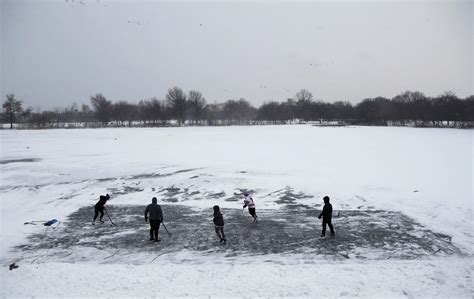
[
  {"x": 219, "y": 224},
  {"x": 156, "y": 217},
  {"x": 99, "y": 207},
  {"x": 327, "y": 216}
]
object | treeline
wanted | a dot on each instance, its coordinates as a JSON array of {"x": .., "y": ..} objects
[
  {"x": 179, "y": 108},
  {"x": 406, "y": 108}
]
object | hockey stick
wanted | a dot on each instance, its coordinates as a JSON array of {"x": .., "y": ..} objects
[
  {"x": 169, "y": 234},
  {"x": 34, "y": 222},
  {"x": 338, "y": 215},
  {"x": 105, "y": 210}
]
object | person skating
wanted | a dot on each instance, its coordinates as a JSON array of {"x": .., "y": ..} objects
[
  {"x": 99, "y": 208},
  {"x": 327, "y": 216},
  {"x": 219, "y": 224},
  {"x": 156, "y": 217},
  {"x": 249, "y": 202}
]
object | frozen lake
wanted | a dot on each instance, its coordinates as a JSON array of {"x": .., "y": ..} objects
[{"x": 412, "y": 187}]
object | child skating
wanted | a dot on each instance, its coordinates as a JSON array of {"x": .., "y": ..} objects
[
  {"x": 219, "y": 224},
  {"x": 326, "y": 214},
  {"x": 99, "y": 208},
  {"x": 249, "y": 202}
]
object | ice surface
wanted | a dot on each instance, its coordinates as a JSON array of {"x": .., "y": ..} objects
[{"x": 424, "y": 175}]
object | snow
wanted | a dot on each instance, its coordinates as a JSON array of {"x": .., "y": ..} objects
[
  {"x": 425, "y": 174},
  {"x": 254, "y": 279}
]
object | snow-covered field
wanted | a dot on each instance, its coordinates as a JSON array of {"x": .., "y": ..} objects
[{"x": 405, "y": 196}]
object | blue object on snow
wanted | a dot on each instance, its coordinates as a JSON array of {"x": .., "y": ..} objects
[{"x": 50, "y": 222}]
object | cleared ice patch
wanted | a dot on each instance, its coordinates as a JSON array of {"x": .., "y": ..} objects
[{"x": 370, "y": 234}]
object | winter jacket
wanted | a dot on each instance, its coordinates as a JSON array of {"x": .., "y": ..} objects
[
  {"x": 102, "y": 200},
  {"x": 327, "y": 211},
  {"x": 218, "y": 219},
  {"x": 155, "y": 212},
  {"x": 248, "y": 201}
]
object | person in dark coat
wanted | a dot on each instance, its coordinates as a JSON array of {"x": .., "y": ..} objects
[
  {"x": 327, "y": 216},
  {"x": 219, "y": 224},
  {"x": 156, "y": 217},
  {"x": 99, "y": 207}
]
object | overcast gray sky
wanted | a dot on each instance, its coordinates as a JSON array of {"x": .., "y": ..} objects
[{"x": 58, "y": 52}]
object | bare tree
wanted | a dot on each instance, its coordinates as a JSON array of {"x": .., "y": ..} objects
[
  {"x": 213, "y": 113},
  {"x": 12, "y": 108},
  {"x": 150, "y": 110},
  {"x": 57, "y": 116},
  {"x": 404, "y": 105},
  {"x": 374, "y": 111},
  {"x": 290, "y": 110},
  {"x": 229, "y": 111},
  {"x": 343, "y": 110},
  {"x": 245, "y": 111},
  {"x": 304, "y": 100},
  {"x": 468, "y": 111},
  {"x": 196, "y": 105},
  {"x": 448, "y": 107},
  {"x": 70, "y": 114},
  {"x": 86, "y": 115},
  {"x": 271, "y": 111},
  {"x": 102, "y": 107},
  {"x": 177, "y": 101},
  {"x": 238, "y": 111},
  {"x": 304, "y": 95},
  {"x": 120, "y": 112}
]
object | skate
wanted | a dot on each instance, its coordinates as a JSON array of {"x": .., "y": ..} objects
[{"x": 13, "y": 266}]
